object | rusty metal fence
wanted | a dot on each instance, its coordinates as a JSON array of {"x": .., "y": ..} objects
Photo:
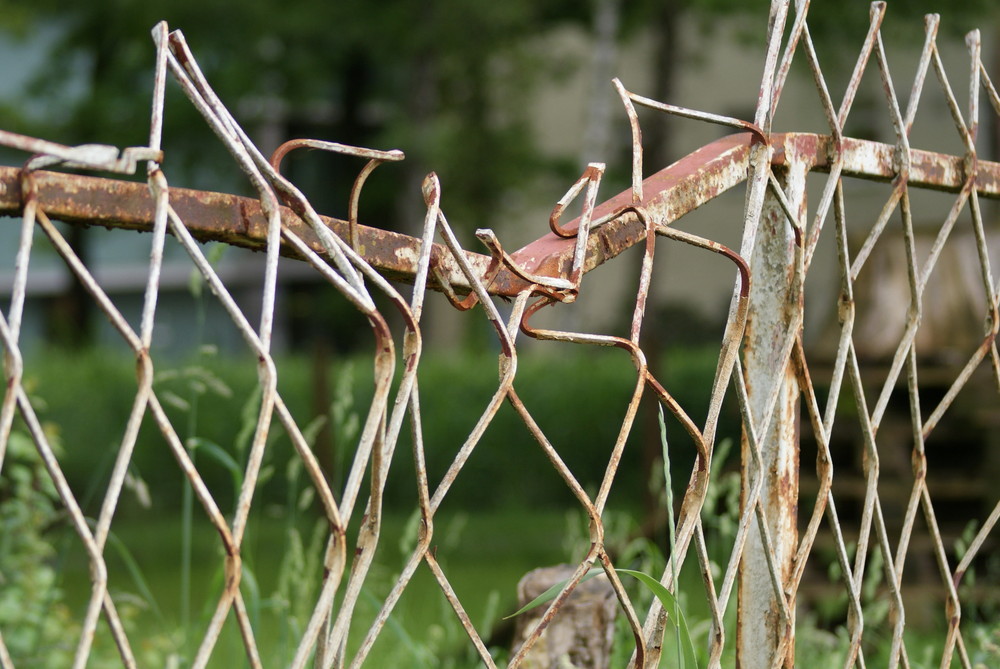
[{"x": 763, "y": 366}]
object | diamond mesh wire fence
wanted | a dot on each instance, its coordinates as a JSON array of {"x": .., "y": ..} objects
[{"x": 799, "y": 410}]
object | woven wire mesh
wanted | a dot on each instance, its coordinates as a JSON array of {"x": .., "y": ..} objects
[{"x": 771, "y": 384}]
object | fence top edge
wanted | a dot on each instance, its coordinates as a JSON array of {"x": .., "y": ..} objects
[{"x": 670, "y": 193}]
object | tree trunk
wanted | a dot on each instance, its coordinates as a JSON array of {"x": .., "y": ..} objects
[{"x": 68, "y": 322}]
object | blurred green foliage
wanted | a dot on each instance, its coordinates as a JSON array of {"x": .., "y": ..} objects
[{"x": 579, "y": 402}]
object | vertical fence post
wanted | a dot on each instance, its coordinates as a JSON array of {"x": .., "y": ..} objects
[{"x": 775, "y": 318}]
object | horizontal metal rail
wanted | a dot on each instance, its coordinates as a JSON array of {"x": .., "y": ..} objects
[{"x": 670, "y": 193}]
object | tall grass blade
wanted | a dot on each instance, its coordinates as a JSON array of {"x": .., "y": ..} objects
[
  {"x": 685, "y": 643},
  {"x": 135, "y": 571},
  {"x": 668, "y": 485},
  {"x": 552, "y": 593}
]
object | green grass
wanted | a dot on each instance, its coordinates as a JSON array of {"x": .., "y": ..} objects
[
  {"x": 484, "y": 555},
  {"x": 578, "y": 401},
  {"x": 503, "y": 517}
]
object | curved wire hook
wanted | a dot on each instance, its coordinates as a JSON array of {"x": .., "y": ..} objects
[
  {"x": 591, "y": 177},
  {"x": 375, "y": 158},
  {"x": 628, "y": 98}
]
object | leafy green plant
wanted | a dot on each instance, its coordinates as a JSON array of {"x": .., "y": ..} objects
[
  {"x": 33, "y": 615},
  {"x": 38, "y": 622}
]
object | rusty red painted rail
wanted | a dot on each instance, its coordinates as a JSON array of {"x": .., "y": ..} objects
[{"x": 670, "y": 193}]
